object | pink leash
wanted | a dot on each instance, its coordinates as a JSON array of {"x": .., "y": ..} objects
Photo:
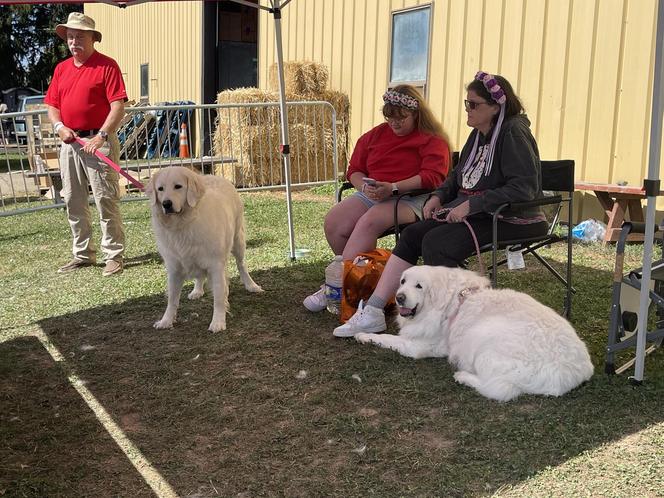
[
  {"x": 117, "y": 168},
  {"x": 437, "y": 216}
]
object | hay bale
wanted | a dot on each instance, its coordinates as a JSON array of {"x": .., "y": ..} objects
[
  {"x": 247, "y": 115},
  {"x": 300, "y": 77},
  {"x": 256, "y": 149},
  {"x": 339, "y": 101},
  {"x": 252, "y": 135}
]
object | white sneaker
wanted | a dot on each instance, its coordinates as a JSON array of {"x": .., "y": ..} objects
[
  {"x": 316, "y": 302},
  {"x": 366, "y": 319}
]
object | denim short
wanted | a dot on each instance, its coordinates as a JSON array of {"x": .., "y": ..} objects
[{"x": 415, "y": 203}]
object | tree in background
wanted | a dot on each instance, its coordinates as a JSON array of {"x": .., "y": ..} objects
[{"x": 29, "y": 47}]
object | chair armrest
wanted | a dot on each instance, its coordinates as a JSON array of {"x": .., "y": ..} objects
[
  {"x": 414, "y": 193},
  {"x": 344, "y": 186},
  {"x": 542, "y": 201}
]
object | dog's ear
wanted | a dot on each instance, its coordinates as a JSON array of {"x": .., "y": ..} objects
[
  {"x": 441, "y": 288},
  {"x": 150, "y": 191},
  {"x": 195, "y": 188}
]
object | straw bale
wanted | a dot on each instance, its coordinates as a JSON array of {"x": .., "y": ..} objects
[
  {"x": 252, "y": 135},
  {"x": 256, "y": 149},
  {"x": 300, "y": 77},
  {"x": 339, "y": 101},
  {"x": 247, "y": 115}
]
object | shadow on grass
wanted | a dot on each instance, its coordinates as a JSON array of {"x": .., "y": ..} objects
[
  {"x": 234, "y": 412},
  {"x": 26, "y": 235},
  {"x": 151, "y": 257}
]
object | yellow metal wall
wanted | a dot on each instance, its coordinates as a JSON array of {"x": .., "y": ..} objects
[
  {"x": 583, "y": 68},
  {"x": 167, "y": 35}
]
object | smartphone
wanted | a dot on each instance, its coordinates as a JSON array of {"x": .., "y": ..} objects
[{"x": 369, "y": 181}]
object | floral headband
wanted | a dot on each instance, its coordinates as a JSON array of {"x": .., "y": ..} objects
[
  {"x": 400, "y": 100},
  {"x": 492, "y": 86}
]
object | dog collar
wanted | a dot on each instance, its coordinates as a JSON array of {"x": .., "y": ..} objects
[
  {"x": 466, "y": 292},
  {"x": 462, "y": 295}
]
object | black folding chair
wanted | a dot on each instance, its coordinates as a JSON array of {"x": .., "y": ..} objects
[{"x": 557, "y": 176}]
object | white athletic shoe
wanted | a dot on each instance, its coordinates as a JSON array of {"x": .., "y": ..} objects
[
  {"x": 316, "y": 302},
  {"x": 366, "y": 319}
]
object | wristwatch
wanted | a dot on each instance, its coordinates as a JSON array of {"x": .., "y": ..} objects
[
  {"x": 103, "y": 135},
  {"x": 395, "y": 189}
]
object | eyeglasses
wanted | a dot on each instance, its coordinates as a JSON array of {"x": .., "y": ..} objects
[
  {"x": 470, "y": 105},
  {"x": 392, "y": 119}
]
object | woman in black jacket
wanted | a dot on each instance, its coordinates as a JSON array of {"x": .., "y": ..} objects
[{"x": 498, "y": 164}]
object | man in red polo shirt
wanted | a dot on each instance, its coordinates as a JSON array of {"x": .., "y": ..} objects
[{"x": 86, "y": 99}]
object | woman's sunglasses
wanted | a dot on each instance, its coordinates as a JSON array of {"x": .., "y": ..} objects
[{"x": 470, "y": 105}]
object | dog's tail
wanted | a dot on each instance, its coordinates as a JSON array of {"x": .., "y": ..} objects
[{"x": 557, "y": 378}]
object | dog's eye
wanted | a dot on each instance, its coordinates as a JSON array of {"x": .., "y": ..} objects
[
  {"x": 403, "y": 281},
  {"x": 161, "y": 189},
  {"x": 418, "y": 286},
  {"x": 177, "y": 186}
]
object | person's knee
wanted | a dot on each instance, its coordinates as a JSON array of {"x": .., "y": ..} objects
[
  {"x": 371, "y": 225},
  {"x": 331, "y": 226},
  {"x": 437, "y": 252}
]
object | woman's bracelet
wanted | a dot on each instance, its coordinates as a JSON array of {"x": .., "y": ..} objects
[{"x": 57, "y": 126}]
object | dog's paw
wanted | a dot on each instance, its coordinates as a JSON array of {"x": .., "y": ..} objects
[
  {"x": 195, "y": 294},
  {"x": 464, "y": 378},
  {"x": 217, "y": 325},
  {"x": 254, "y": 288},
  {"x": 163, "y": 324},
  {"x": 364, "y": 337}
]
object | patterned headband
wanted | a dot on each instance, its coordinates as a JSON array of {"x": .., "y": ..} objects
[
  {"x": 400, "y": 100},
  {"x": 492, "y": 86}
]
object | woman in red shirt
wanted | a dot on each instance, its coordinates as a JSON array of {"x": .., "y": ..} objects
[{"x": 408, "y": 152}]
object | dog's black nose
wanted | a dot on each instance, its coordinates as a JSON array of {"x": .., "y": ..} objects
[
  {"x": 168, "y": 204},
  {"x": 400, "y": 299}
]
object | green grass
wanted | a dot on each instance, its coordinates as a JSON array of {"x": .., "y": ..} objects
[
  {"x": 227, "y": 414},
  {"x": 13, "y": 161}
]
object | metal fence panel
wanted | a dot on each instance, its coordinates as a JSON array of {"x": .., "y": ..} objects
[{"x": 237, "y": 141}]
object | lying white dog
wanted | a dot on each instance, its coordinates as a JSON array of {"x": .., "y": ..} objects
[
  {"x": 504, "y": 343},
  {"x": 197, "y": 221}
]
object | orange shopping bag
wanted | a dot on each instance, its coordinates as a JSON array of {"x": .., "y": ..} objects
[{"x": 360, "y": 278}]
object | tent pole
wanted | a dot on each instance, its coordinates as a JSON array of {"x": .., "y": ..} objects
[
  {"x": 651, "y": 186},
  {"x": 285, "y": 146},
  {"x": 283, "y": 111}
]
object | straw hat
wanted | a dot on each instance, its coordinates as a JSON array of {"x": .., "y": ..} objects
[{"x": 77, "y": 20}]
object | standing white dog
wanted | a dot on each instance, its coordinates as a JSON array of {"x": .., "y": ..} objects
[
  {"x": 504, "y": 343},
  {"x": 198, "y": 221}
]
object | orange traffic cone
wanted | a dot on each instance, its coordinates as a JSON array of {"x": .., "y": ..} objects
[{"x": 184, "y": 142}]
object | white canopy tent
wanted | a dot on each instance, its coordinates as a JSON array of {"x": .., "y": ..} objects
[{"x": 651, "y": 183}]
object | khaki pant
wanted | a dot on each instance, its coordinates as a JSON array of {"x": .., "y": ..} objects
[{"x": 80, "y": 170}]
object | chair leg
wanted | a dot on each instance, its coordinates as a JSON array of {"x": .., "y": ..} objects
[{"x": 552, "y": 270}]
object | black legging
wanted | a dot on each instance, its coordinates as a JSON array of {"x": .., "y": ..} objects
[{"x": 449, "y": 244}]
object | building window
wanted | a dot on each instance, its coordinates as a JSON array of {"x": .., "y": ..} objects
[
  {"x": 409, "y": 57},
  {"x": 145, "y": 83}
]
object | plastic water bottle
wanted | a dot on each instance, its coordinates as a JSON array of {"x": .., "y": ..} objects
[{"x": 333, "y": 282}]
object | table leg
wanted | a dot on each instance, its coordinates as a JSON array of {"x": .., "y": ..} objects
[
  {"x": 615, "y": 211},
  {"x": 635, "y": 210}
]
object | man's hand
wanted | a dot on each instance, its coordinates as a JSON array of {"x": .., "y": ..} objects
[
  {"x": 67, "y": 135},
  {"x": 94, "y": 143}
]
